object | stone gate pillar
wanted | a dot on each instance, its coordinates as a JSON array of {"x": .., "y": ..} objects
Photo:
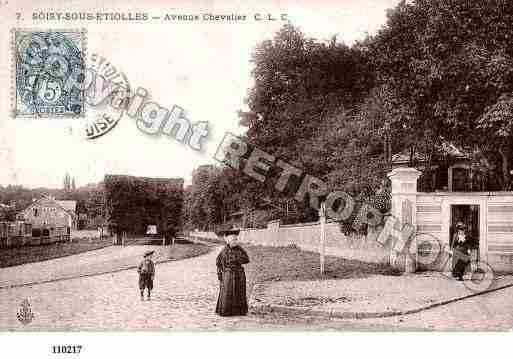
[
  {"x": 404, "y": 210},
  {"x": 273, "y": 231}
]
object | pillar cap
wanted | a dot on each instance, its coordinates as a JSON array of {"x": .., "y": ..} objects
[{"x": 404, "y": 173}]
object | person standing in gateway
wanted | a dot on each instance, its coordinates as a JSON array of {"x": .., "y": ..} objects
[
  {"x": 232, "y": 278},
  {"x": 461, "y": 251}
]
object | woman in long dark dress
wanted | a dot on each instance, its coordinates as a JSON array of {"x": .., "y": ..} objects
[
  {"x": 232, "y": 278},
  {"x": 461, "y": 252}
]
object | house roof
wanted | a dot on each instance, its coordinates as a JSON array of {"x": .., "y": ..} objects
[
  {"x": 404, "y": 157},
  {"x": 446, "y": 149},
  {"x": 64, "y": 205}
]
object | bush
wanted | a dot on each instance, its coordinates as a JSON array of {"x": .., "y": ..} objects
[
  {"x": 382, "y": 201},
  {"x": 133, "y": 203}
]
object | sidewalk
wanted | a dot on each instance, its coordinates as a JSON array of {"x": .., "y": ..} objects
[{"x": 373, "y": 297}]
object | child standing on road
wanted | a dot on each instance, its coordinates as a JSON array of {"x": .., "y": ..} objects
[{"x": 146, "y": 272}]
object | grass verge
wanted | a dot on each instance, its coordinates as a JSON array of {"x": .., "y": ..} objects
[
  {"x": 29, "y": 254},
  {"x": 115, "y": 264},
  {"x": 292, "y": 263},
  {"x": 182, "y": 251}
]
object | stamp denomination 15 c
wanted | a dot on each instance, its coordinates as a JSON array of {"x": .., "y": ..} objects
[{"x": 44, "y": 62}]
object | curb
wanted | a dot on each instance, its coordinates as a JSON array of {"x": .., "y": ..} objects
[
  {"x": 95, "y": 273},
  {"x": 364, "y": 315}
]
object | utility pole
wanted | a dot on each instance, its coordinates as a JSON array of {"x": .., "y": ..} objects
[{"x": 322, "y": 241}]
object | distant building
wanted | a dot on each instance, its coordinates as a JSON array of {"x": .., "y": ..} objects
[
  {"x": 47, "y": 213},
  {"x": 451, "y": 169}
]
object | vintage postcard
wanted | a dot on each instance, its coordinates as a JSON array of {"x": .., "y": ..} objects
[{"x": 283, "y": 165}]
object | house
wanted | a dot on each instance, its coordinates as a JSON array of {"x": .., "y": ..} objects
[
  {"x": 451, "y": 168},
  {"x": 49, "y": 215}
]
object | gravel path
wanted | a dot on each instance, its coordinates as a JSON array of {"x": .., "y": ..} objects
[{"x": 184, "y": 299}]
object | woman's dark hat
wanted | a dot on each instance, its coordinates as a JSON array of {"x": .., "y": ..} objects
[
  {"x": 228, "y": 232},
  {"x": 148, "y": 253}
]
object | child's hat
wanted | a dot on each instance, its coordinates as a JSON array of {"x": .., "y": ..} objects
[{"x": 148, "y": 253}]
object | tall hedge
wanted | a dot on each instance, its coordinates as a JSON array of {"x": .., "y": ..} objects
[{"x": 133, "y": 203}]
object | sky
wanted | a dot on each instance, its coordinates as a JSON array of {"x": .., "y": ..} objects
[{"x": 204, "y": 67}]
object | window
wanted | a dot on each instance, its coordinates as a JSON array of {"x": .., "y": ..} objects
[{"x": 35, "y": 212}]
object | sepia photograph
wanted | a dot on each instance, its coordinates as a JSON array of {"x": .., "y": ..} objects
[{"x": 281, "y": 166}]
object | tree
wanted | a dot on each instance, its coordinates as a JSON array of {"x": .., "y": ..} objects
[
  {"x": 497, "y": 126},
  {"x": 67, "y": 182},
  {"x": 450, "y": 61},
  {"x": 215, "y": 194},
  {"x": 302, "y": 86},
  {"x": 133, "y": 203},
  {"x": 439, "y": 71},
  {"x": 298, "y": 83}
]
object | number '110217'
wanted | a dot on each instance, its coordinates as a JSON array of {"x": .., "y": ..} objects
[{"x": 66, "y": 349}]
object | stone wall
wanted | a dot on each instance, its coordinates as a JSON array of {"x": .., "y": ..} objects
[{"x": 307, "y": 237}]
